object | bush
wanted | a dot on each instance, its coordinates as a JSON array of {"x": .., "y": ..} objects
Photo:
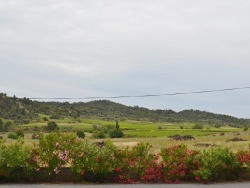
[
  {"x": 20, "y": 133},
  {"x": 52, "y": 126},
  {"x": 197, "y": 126},
  {"x": 178, "y": 163},
  {"x": 15, "y": 161},
  {"x": 12, "y": 136},
  {"x": 217, "y": 164},
  {"x": 80, "y": 134},
  {"x": 93, "y": 163},
  {"x": 99, "y": 134},
  {"x": 116, "y": 133},
  {"x": 54, "y": 151},
  {"x": 244, "y": 158}
]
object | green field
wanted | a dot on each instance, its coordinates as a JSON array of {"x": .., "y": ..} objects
[{"x": 157, "y": 134}]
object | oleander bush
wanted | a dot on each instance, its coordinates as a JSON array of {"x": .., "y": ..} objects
[
  {"x": 217, "y": 164},
  {"x": 107, "y": 163},
  {"x": 15, "y": 161}
]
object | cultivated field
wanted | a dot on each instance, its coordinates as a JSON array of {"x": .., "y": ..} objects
[{"x": 157, "y": 134}]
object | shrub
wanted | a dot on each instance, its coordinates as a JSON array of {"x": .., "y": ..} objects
[
  {"x": 52, "y": 126},
  {"x": 93, "y": 163},
  {"x": 99, "y": 134},
  {"x": 54, "y": 151},
  {"x": 80, "y": 134},
  {"x": 116, "y": 133},
  {"x": 20, "y": 133},
  {"x": 197, "y": 126},
  {"x": 15, "y": 161},
  {"x": 159, "y": 127},
  {"x": 12, "y": 136},
  {"x": 217, "y": 164},
  {"x": 244, "y": 158},
  {"x": 178, "y": 163},
  {"x": 132, "y": 164}
]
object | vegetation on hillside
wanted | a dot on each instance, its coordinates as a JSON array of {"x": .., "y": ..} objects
[{"x": 23, "y": 110}]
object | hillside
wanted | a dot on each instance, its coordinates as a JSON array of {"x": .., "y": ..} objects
[{"x": 23, "y": 110}]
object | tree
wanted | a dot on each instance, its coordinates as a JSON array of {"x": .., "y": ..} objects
[{"x": 117, "y": 125}]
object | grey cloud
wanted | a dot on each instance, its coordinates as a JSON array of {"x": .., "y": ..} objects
[{"x": 107, "y": 48}]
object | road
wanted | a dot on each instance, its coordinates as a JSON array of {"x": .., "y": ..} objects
[{"x": 217, "y": 185}]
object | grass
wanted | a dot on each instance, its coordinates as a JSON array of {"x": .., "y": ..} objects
[{"x": 157, "y": 134}]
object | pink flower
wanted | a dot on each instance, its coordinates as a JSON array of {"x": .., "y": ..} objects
[
  {"x": 57, "y": 144},
  {"x": 118, "y": 169},
  {"x": 56, "y": 170},
  {"x": 197, "y": 178}
]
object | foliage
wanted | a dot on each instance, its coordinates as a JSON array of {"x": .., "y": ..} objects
[
  {"x": 12, "y": 136},
  {"x": 94, "y": 163},
  {"x": 22, "y": 110},
  {"x": 244, "y": 158},
  {"x": 133, "y": 163},
  {"x": 99, "y": 134},
  {"x": 80, "y": 134},
  {"x": 52, "y": 126},
  {"x": 179, "y": 162},
  {"x": 107, "y": 163},
  {"x": 54, "y": 151},
  {"x": 116, "y": 133},
  {"x": 217, "y": 164},
  {"x": 19, "y": 133},
  {"x": 15, "y": 161},
  {"x": 197, "y": 126}
]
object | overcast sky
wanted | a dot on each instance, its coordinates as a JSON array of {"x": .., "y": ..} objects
[{"x": 88, "y": 48}]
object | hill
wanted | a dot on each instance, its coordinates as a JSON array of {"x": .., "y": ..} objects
[{"x": 22, "y": 110}]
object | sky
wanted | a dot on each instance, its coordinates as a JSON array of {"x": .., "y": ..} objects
[{"x": 93, "y": 48}]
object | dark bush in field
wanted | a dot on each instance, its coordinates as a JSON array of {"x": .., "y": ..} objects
[
  {"x": 12, "y": 136},
  {"x": 80, "y": 134},
  {"x": 116, "y": 133},
  {"x": 20, "y": 133},
  {"x": 51, "y": 126}
]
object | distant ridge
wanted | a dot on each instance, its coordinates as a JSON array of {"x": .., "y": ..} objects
[{"x": 21, "y": 109}]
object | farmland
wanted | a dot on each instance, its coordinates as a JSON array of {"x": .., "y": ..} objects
[
  {"x": 157, "y": 134},
  {"x": 137, "y": 124}
]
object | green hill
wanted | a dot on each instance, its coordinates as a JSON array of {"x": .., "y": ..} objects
[{"x": 23, "y": 110}]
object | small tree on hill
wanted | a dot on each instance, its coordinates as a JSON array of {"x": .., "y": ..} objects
[{"x": 117, "y": 126}]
